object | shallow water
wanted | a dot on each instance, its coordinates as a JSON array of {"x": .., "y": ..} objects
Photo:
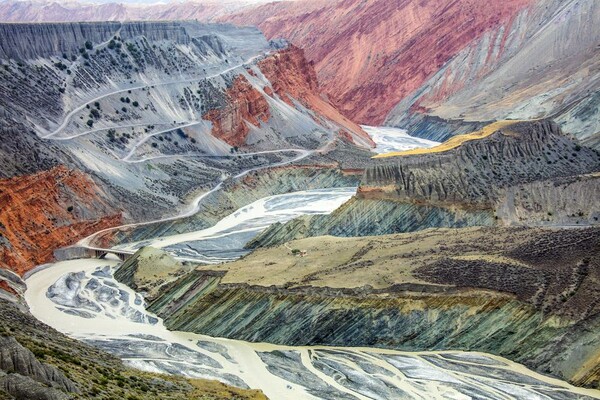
[
  {"x": 82, "y": 299},
  {"x": 395, "y": 139},
  {"x": 226, "y": 239}
]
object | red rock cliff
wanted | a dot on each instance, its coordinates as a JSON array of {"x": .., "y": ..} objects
[
  {"x": 293, "y": 77},
  {"x": 244, "y": 104},
  {"x": 50, "y": 209},
  {"x": 370, "y": 54}
]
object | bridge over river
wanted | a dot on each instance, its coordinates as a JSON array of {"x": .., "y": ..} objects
[{"x": 76, "y": 251}]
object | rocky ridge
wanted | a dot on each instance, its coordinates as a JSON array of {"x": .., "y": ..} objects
[{"x": 525, "y": 173}]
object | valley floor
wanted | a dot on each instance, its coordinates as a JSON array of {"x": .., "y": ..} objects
[
  {"x": 109, "y": 315},
  {"x": 82, "y": 299}
]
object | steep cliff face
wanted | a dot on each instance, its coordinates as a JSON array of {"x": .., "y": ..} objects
[
  {"x": 293, "y": 78},
  {"x": 244, "y": 105},
  {"x": 369, "y": 55},
  {"x": 495, "y": 290},
  {"x": 50, "y": 209},
  {"x": 542, "y": 63}
]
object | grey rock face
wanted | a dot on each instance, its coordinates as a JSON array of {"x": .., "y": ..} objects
[
  {"x": 25, "y": 388},
  {"x": 27, "y": 41},
  {"x": 15, "y": 358},
  {"x": 474, "y": 172}
]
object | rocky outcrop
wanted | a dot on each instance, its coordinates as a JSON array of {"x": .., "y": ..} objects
[
  {"x": 46, "y": 210},
  {"x": 149, "y": 269},
  {"x": 27, "y": 41},
  {"x": 293, "y": 78},
  {"x": 473, "y": 173},
  {"x": 369, "y": 55},
  {"x": 151, "y": 83},
  {"x": 19, "y": 360},
  {"x": 244, "y": 104}
]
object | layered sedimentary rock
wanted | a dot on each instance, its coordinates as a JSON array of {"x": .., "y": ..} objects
[
  {"x": 542, "y": 63},
  {"x": 244, "y": 104},
  {"x": 50, "y": 209},
  {"x": 527, "y": 294},
  {"x": 513, "y": 173},
  {"x": 370, "y": 55}
]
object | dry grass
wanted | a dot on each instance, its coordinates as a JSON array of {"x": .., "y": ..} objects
[
  {"x": 378, "y": 261},
  {"x": 453, "y": 142},
  {"x": 205, "y": 389}
]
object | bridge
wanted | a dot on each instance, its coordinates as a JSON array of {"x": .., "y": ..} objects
[{"x": 74, "y": 252}]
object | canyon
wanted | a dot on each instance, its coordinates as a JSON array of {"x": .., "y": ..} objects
[
  {"x": 306, "y": 199},
  {"x": 383, "y": 62},
  {"x": 193, "y": 107}
]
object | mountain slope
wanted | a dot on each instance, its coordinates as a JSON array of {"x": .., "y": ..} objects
[
  {"x": 152, "y": 114},
  {"x": 370, "y": 54},
  {"x": 547, "y": 66}
]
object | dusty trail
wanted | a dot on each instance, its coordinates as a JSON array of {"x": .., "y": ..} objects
[{"x": 67, "y": 118}]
